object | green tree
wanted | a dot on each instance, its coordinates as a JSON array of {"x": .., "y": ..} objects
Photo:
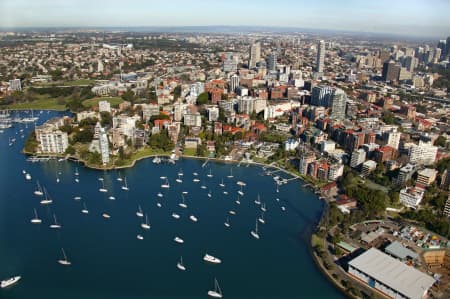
[
  {"x": 70, "y": 150},
  {"x": 106, "y": 119},
  {"x": 203, "y": 98},
  {"x": 440, "y": 141}
]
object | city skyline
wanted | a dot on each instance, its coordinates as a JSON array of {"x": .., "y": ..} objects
[{"x": 407, "y": 18}]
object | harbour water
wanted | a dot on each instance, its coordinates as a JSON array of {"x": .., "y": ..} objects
[{"x": 108, "y": 261}]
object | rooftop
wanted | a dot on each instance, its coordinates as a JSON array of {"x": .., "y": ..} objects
[
  {"x": 405, "y": 279},
  {"x": 398, "y": 250}
]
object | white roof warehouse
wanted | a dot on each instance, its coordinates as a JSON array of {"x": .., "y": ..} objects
[{"x": 389, "y": 275}]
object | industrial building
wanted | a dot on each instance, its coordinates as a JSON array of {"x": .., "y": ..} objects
[{"x": 389, "y": 275}]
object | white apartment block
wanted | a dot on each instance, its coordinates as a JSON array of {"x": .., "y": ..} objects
[
  {"x": 104, "y": 106},
  {"x": 426, "y": 176},
  {"x": 422, "y": 154},
  {"x": 358, "y": 158},
  {"x": 193, "y": 119},
  {"x": 104, "y": 146},
  {"x": 51, "y": 140},
  {"x": 336, "y": 171},
  {"x": 411, "y": 197},
  {"x": 213, "y": 113}
]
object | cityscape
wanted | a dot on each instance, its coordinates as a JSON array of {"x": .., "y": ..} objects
[{"x": 278, "y": 160}]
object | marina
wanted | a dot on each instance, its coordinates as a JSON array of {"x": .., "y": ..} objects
[{"x": 180, "y": 217}]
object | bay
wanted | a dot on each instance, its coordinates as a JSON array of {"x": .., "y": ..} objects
[{"x": 108, "y": 261}]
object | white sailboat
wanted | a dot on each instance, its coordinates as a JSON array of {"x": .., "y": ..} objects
[
  {"x": 240, "y": 192},
  {"x": 175, "y": 215},
  {"x": 166, "y": 185},
  {"x": 119, "y": 178},
  {"x": 232, "y": 212},
  {"x": 111, "y": 198},
  {"x": 38, "y": 190},
  {"x": 77, "y": 180},
  {"x": 84, "y": 210},
  {"x": 139, "y": 212},
  {"x": 196, "y": 180},
  {"x": 103, "y": 189},
  {"x": 283, "y": 208},
  {"x": 255, "y": 233},
  {"x": 180, "y": 265},
  {"x": 178, "y": 240},
  {"x": 57, "y": 177},
  {"x": 210, "y": 175},
  {"x": 64, "y": 261},
  {"x": 263, "y": 207},
  {"x": 184, "y": 192},
  {"x": 106, "y": 216},
  {"x": 203, "y": 187},
  {"x": 278, "y": 190},
  {"x": 180, "y": 173},
  {"x": 159, "y": 194},
  {"x": 230, "y": 176},
  {"x": 183, "y": 203},
  {"x": 193, "y": 218},
  {"x": 125, "y": 186},
  {"x": 47, "y": 200},
  {"x": 211, "y": 259},
  {"x": 227, "y": 222},
  {"x": 217, "y": 292},
  {"x": 261, "y": 218},
  {"x": 258, "y": 200},
  {"x": 238, "y": 200},
  {"x": 77, "y": 198},
  {"x": 76, "y": 171},
  {"x": 209, "y": 194},
  {"x": 222, "y": 184},
  {"x": 140, "y": 237},
  {"x": 195, "y": 174},
  {"x": 28, "y": 176},
  {"x": 179, "y": 180},
  {"x": 145, "y": 225},
  {"x": 158, "y": 204},
  {"x": 36, "y": 219},
  {"x": 55, "y": 225}
]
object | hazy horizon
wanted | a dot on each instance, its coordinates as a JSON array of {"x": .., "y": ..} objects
[{"x": 412, "y": 18}]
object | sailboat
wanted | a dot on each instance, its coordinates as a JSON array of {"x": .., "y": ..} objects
[
  {"x": 278, "y": 190},
  {"x": 178, "y": 240},
  {"x": 158, "y": 204},
  {"x": 76, "y": 171},
  {"x": 103, "y": 189},
  {"x": 106, "y": 216},
  {"x": 111, "y": 198},
  {"x": 179, "y": 180},
  {"x": 159, "y": 194},
  {"x": 227, "y": 223},
  {"x": 166, "y": 185},
  {"x": 56, "y": 224},
  {"x": 258, "y": 200},
  {"x": 77, "y": 180},
  {"x": 47, "y": 200},
  {"x": 222, "y": 184},
  {"x": 125, "y": 186},
  {"x": 180, "y": 265},
  {"x": 140, "y": 237},
  {"x": 261, "y": 218},
  {"x": 175, "y": 215},
  {"x": 195, "y": 174},
  {"x": 230, "y": 176},
  {"x": 263, "y": 207},
  {"x": 254, "y": 233},
  {"x": 238, "y": 201},
  {"x": 36, "y": 219},
  {"x": 196, "y": 180},
  {"x": 240, "y": 192},
  {"x": 65, "y": 261},
  {"x": 84, "y": 210},
  {"x": 193, "y": 218},
  {"x": 183, "y": 203},
  {"x": 209, "y": 194},
  {"x": 28, "y": 177},
  {"x": 38, "y": 190},
  {"x": 180, "y": 173},
  {"x": 57, "y": 177},
  {"x": 209, "y": 174},
  {"x": 217, "y": 293},
  {"x": 139, "y": 212},
  {"x": 145, "y": 225},
  {"x": 119, "y": 179},
  {"x": 203, "y": 187}
]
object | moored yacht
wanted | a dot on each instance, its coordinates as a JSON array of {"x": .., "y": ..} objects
[
  {"x": 180, "y": 265},
  {"x": 217, "y": 292},
  {"x": 178, "y": 240},
  {"x": 211, "y": 259},
  {"x": 36, "y": 219},
  {"x": 9, "y": 282},
  {"x": 64, "y": 261}
]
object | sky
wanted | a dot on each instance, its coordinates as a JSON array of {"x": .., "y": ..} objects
[{"x": 427, "y": 18}]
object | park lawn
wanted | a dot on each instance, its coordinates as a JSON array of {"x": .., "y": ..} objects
[
  {"x": 190, "y": 152},
  {"x": 114, "y": 101},
  {"x": 79, "y": 82},
  {"x": 42, "y": 103}
]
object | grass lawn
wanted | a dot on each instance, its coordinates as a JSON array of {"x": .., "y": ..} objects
[
  {"x": 190, "y": 152},
  {"x": 114, "y": 101},
  {"x": 43, "y": 103},
  {"x": 67, "y": 83}
]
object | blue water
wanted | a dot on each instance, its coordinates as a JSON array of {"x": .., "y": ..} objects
[{"x": 108, "y": 261}]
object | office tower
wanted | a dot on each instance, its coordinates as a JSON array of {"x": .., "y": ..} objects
[
  {"x": 255, "y": 55},
  {"x": 230, "y": 62},
  {"x": 320, "y": 61},
  {"x": 234, "y": 83},
  {"x": 272, "y": 62},
  {"x": 338, "y": 104},
  {"x": 391, "y": 71},
  {"x": 321, "y": 95}
]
